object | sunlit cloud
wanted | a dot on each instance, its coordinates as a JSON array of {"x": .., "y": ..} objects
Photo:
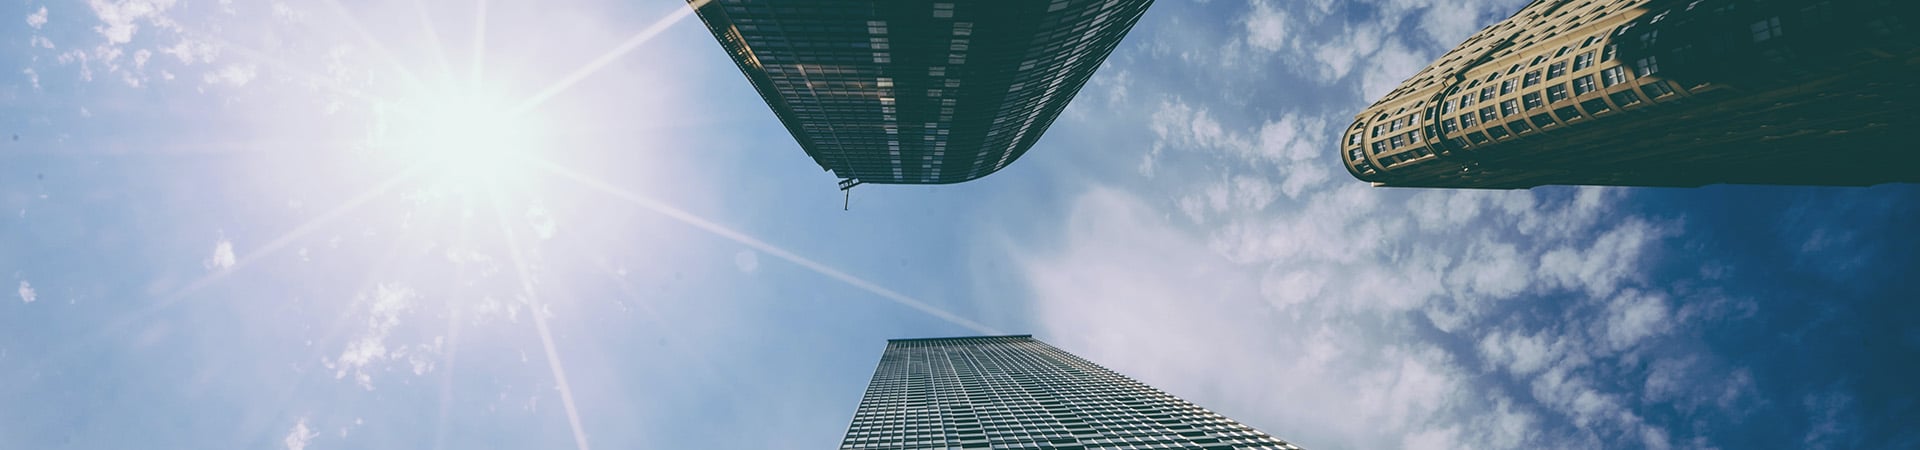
[
  {"x": 222, "y": 257},
  {"x": 382, "y": 309},
  {"x": 26, "y": 292},
  {"x": 232, "y": 75},
  {"x": 38, "y": 18},
  {"x": 299, "y": 436},
  {"x": 121, "y": 19}
]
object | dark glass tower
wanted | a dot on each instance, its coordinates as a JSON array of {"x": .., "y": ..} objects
[
  {"x": 1658, "y": 93},
  {"x": 917, "y": 91},
  {"x": 1014, "y": 392}
]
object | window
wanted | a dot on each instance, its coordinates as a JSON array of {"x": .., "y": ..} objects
[
  {"x": 1557, "y": 70},
  {"x": 1413, "y": 138},
  {"x": 1398, "y": 140},
  {"x": 1649, "y": 38},
  {"x": 1647, "y": 66},
  {"x": 1657, "y": 89},
  {"x": 1486, "y": 94},
  {"x": 1583, "y": 85},
  {"x": 1519, "y": 126},
  {"x": 1506, "y": 87},
  {"x": 1556, "y": 93},
  {"x": 1583, "y": 61},
  {"x": 1607, "y": 55},
  {"x": 1766, "y": 29},
  {"x": 1446, "y": 107},
  {"x": 1394, "y": 125},
  {"x": 1497, "y": 132},
  {"x": 1354, "y": 155},
  {"x": 1562, "y": 51},
  {"x": 1511, "y": 70},
  {"x": 1509, "y": 107},
  {"x": 1376, "y": 131},
  {"x": 1567, "y": 114},
  {"x": 1449, "y": 125},
  {"x": 1354, "y": 139},
  {"x": 1487, "y": 115},
  {"x": 1543, "y": 121},
  {"x": 1532, "y": 79},
  {"x": 1612, "y": 76},
  {"x": 1625, "y": 98},
  {"x": 1477, "y": 137},
  {"x": 1537, "y": 60},
  {"x": 1468, "y": 120},
  {"x": 1590, "y": 40},
  {"x": 1466, "y": 101},
  {"x": 1533, "y": 100},
  {"x": 1596, "y": 106},
  {"x": 1379, "y": 147}
]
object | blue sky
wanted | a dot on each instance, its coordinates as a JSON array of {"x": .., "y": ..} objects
[{"x": 216, "y": 243}]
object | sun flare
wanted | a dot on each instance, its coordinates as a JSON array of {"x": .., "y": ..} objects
[{"x": 464, "y": 140}]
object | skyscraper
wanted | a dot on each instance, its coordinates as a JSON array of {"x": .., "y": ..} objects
[
  {"x": 1014, "y": 392},
  {"x": 917, "y": 91},
  {"x": 1657, "y": 93}
]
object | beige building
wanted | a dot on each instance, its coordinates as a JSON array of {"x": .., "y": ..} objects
[{"x": 1657, "y": 93}]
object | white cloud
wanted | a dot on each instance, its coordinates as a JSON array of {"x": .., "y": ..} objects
[
  {"x": 222, "y": 257},
  {"x": 26, "y": 292},
  {"x": 1204, "y": 308},
  {"x": 383, "y": 308},
  {"x": 190, "y": 51},
  {"x": 1634, "y": 316},
  {"x": 1600, "y": 268},
  {"x": 120, "y": 19},
  {"x": 37, "y": 19},
  {"x": 1266, "y": 26},
  {"x": 235, "y": 75},
  {"x": 33, "y": 78},
  {"x": 300, "y": 436}
]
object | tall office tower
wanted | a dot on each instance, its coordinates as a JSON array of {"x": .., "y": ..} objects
[
  {"x": 917, "y": 91},
  {"x": 1658, "y": 93},
  {"x": 1014, "y": 392}
]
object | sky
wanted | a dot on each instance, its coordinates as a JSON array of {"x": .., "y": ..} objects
[{"x": 247, "y": 224}]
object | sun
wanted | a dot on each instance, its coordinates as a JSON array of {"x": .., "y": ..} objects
[{"x": 462, "y": 139}]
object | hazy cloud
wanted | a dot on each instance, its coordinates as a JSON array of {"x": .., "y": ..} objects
[{"x": 747, "y": 261}]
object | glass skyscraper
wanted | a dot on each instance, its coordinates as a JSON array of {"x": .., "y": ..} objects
[
  {"x": 1014, "y": 392},
  {"x": 917, "y": 91}
]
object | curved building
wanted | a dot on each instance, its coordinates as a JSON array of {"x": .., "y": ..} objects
[
  {"x": 1657, "y": 93},
  {"x": 917, "y": 91}
]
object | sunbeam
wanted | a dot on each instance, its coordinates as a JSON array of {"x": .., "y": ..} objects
[
  {"x": 287, "y": 238},
  {"x": 757, "y": 244},
  {"x": 433, "y": 40},
  {"x": 412, "y": 80},
  {"x": 478, "y": 72},
  {"x": 584, "y": 71},
  {"x": 539, "y": 309}
]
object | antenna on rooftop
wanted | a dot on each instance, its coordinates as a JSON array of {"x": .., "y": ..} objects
[{"x": 846, "y": 187}]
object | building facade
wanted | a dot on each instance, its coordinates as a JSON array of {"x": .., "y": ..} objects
[
  {"x": 917, "y": 91},
  {"x": 1014, "y": 392},
  {"x": 1657, "y": 93}
]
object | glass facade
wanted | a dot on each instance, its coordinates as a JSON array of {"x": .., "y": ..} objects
[
  {"x": 915, "y": 91},
  {"x": 1014, "y": 392}
]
